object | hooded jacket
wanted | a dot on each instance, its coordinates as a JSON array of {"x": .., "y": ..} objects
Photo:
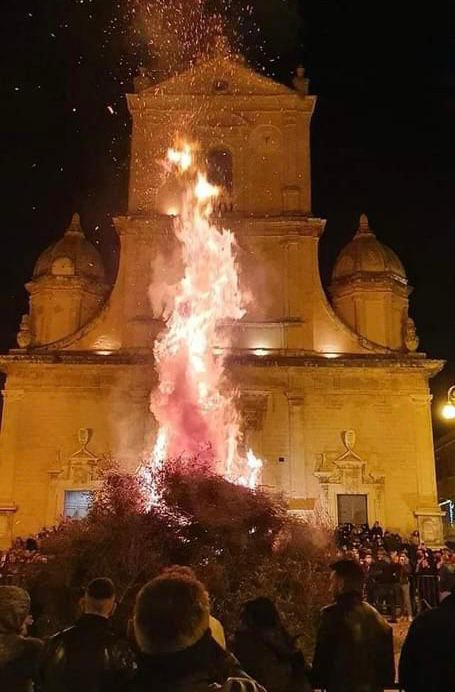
[{"x": 19, "y": 655}]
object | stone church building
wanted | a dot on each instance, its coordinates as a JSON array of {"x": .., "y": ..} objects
[{"x": 334, "y": 394}]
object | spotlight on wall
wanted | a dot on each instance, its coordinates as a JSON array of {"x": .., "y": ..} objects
[
  {"x": 260, "y": 351},
  {"x": 448, "y": 410}
]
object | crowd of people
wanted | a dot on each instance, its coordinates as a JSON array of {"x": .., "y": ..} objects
[
  {"x": 401, "y": 574},
  {"x": 174, "y": 644}
]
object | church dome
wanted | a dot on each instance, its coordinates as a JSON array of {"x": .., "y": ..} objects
[
  {"x": 366, "y": 255},
  {"x": 72, "y": 255}
]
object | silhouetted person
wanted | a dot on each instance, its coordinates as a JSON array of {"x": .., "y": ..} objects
[
  {"x": 19, "y": 654},
  {"x": 266, "y": 651},
  {"x": 89, "y": 657},
  {"x": 178, "y": 652},
  {"x": 427, "y": 662},
  {"x": 354, "y": 647}
]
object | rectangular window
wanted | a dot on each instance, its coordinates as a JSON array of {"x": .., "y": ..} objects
[
  {"x": 77, "y": 503},
  {"x": 352, "y": 509}
]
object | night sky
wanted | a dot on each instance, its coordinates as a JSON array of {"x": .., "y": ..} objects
[{"x": 383, "y": 137}]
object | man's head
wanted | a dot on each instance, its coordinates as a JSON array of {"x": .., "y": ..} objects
[
  {"x": 347, "y": 577},
  {"x": 381, "y": 554},
  {"x": 14, "y": 609},
  {"x": 368, "y": 559},
  {"x": 171, "y": 613},
  {"x": 447, "y": 579},
  {"x": 99, "y": 597},
  {"x": 415, "y": 538},
  {"x": 260, "y": 613}
]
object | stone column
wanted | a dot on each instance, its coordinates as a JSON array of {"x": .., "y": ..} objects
[
  {"x": 254, "y": 410},
  {"x": 427, "y": 513},
  {"x": 298, "y": 485},
  {"x": 12, "y": 399}
]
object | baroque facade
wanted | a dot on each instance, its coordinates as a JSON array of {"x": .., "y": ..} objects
[{"x": 334, "y": 394}]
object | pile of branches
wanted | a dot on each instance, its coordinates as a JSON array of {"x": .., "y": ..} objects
[{"x": 241, "y": 543}]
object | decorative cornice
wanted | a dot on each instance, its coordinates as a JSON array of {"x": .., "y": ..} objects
[
  {"x": 288, "y": 358},
  {"x": 291, "y": 225},
  {"x": 369, "y": 280},
  {"x": 22, "y": 357},
  {"x": 67, "y": 283},
  {"x": 236, "y": 357},
  {"x": 7, "y": 508}
]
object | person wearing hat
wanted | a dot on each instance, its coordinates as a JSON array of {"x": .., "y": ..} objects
[
  {"x": 354, "y": 646},
  {"x": 427, "y": 661},
  {"x": 19, "y": 654}
]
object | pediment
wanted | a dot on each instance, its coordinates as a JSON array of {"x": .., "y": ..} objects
[{"x": 220, "y": 76}]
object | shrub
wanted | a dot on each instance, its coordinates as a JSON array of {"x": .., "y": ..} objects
[{"x": 241, "y": 543}]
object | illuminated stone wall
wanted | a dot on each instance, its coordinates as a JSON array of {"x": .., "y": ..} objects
[{"x": 330, "y": 411}]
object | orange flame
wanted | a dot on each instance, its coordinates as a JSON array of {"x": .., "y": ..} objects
[{"x": 193, "y": 406}]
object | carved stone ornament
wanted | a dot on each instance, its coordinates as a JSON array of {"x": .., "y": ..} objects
[
  {"x": 348, "y": 468},
  {"x": 347, "y": 473},
  {"x": 84, "y": 436},
  {"x": 24, "y": 336},
  {"x": 411, "y": 340},
  {"x": 253, "y": 406},
  {"x": 82, "y": 466}
]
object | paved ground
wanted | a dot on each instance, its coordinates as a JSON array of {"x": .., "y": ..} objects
[{"x": 399, "y": 633}]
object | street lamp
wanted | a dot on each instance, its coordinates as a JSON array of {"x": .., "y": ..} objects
[{"x": 448, "y": 410}]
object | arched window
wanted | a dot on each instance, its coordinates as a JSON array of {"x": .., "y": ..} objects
[{"x": 219, "y": 168}]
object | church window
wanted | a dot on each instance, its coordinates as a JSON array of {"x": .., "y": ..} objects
[
  {"x": 220, "y": 168},
  {"x": 77, "y": 503},
  {"x": 220, "y": 86},
  {"x": 63, "y": 266}
]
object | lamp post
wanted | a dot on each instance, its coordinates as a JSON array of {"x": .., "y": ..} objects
[{"x": 448, "y": 410}]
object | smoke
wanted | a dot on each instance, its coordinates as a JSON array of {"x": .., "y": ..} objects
[{"x": 192, "y": 404}]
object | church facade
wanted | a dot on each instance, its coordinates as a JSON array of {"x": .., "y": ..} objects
[{"x": 333, "y": 392}]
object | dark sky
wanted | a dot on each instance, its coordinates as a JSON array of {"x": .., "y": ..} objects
[{"x": 383, "y": 137}]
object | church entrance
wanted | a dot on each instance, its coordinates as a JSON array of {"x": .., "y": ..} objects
[{"x": 352, "y": 509}]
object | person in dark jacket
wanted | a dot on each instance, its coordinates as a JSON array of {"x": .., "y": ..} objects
[
  {"x": 354, "y": 647},
  {"x": 266, "y": 651},
  {"x": 386, "y": 578},
  {"x": 19, "y": 654},
  {"x": 89, "y": 657},
  {"x": 178, "y": 652},
  {"x": 427, "y": 662}
]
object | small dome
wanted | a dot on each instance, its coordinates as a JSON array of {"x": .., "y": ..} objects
[
  {"x": 72, "y": 255},
  {"x": 366, "y": 255}
]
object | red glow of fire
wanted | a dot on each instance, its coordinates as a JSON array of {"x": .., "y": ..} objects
[{"x": 192, "y": 404}]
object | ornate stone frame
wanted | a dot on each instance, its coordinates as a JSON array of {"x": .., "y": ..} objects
[
  {"x": 347, "y": 474},
  {"x": 80, "y": 472}
]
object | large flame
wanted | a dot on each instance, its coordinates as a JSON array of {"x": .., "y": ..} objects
[{"x": 193, "y": 406}]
